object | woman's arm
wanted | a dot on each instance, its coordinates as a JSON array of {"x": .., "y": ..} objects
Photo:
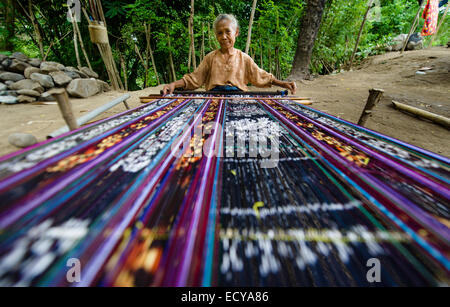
[
  {"x": 287, "y": 85},
  {"x": 169, "y": 88}
]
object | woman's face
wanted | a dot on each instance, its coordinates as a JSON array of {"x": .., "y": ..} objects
[{"x": 226, "y": 34}]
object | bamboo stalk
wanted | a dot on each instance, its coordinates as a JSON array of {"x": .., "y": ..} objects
[
  {"x": 438, "y": 119},
  {"x": 191, "y": 28},
  {"x": 172, "y": 67},
  {"x": 412, "y": 29},
  {"x": 81, "y": 43},
  {"x": 360, "y": 32},
  {"x": 249, "y": 34},
  {"x": 124, "y": 70},
  {"x": 36, "y": 29},
  {"x": 148, "y": 32}
]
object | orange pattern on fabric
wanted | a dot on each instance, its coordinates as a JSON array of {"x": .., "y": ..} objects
[{"x": 430, "y": 14}]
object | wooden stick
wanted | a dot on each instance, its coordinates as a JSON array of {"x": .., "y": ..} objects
[
  {"x": 191, "y": 22},
  {"x": 65, "y": 107},
  {"x": 249, "y": 34},
  {"x": 438, "y": 119},
  {"x": 412, "y": 29},
  {"x": 300, "y": 100},
  {"x": 374, "y": 97},
  {"x": 439, "y": 26},
  {"x": 360, "y": 32}
]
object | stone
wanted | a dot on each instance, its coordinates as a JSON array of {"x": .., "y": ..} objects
[
  {"x": 415, "y": 42},
  {"x": 27, "y": 84},
  {"x": 104, "y": 87},
  {"x": 8, "y": 99},
  {"x": 73, "y": 69},
  {"x": 35, "y": 62},
  {"x": 72, "y": 74},
  {"x": 3, "y": 57},
  {"x": 22, "y": 140},
  {"x": 11, "y": 76},
  {"x": 2, "y": 69},
  {"x": 3, "y": 87},
  {"x": 11, "y": 93},
  {"x": 44, "y": 80},
  {"x": 60, "y": 78},
  {"x": 29, "y": 93},
  {"x": 25, "y": 98},
  {"x": 89, "y": 72},
  {"x": 20, "y": 56},
  {"x": 46, "y": 96},
  {"x": 83, "y": 88},
  {"x": 6, "y": 63},
  {"x": 51, "y": 66},
  {"x": 18, "y": 66},
  {"x": 8, "y": 83},
  {"x": 29, "y": 70}
]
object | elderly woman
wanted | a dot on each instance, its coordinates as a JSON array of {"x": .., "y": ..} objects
[{"x": 227, "y": 68}]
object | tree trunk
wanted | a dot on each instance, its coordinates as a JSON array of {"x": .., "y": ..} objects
[
  {"x": 260, "y": 54},
  {"x": 309, "y": 28},
  {"x": 36, "y": 29},
  {"x": 172, "y": 66},
  {"x": 249, "y": 34},
  {"x": 203, "y": 42},
  {"x": 191, "y": 29},
  {"x": 151, "y": 56},
  {"x": 9, "y": 15},
  {"x": 124, "y": 71}
]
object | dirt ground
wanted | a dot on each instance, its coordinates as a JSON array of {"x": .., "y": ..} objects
[{"x": 343, "y": 95}]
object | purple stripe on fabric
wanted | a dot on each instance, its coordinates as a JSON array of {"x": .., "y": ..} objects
[
  {"x": 394, "y": 140},
  {"x": 32, "y": 147},
  {"x": 8, "y": 181},
  {"x": 137, "y": 200},
  {"x": 198, "y": 205},
  {"x": 7, "y": 218},
  {"x": 425, "y": 181},
  {"x": 411, "y": 207}
]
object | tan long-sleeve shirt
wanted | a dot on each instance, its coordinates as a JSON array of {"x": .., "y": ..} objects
[{"x": 239, "y": 70}]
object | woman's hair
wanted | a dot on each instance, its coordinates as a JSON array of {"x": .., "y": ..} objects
[{"x": 229, "y": 17}]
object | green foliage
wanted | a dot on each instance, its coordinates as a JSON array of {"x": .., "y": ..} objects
[{"x": 274, "y": 33}]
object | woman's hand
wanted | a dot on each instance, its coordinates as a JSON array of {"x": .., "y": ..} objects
[
  {"x": 169, "y": 88},
  {"x": 287, "y": 85},
  {"x": 291, "y": 86}
]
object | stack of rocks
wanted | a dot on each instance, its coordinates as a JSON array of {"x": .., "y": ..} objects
[{"x": 25, "y": 80}]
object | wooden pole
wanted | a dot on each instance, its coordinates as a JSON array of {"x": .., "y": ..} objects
[
  {"x": 65, "y": 107},
  {"x": 81, "y": 43},
  {"x": 249, "y": 34},
  {"x": 439, "y": 26},
  {"x": 148, "y": 32},
  {"x": 36, "y": 29},
  {"x": 438, "y": 119},
  {"x": 124, "y": 70},
  {"x": 172, "y": 66},
  {"x": 374, "y": 97},
  {"x": 191, "y": 22},
  {"x": 360, "y": 32},
  {"x": 412, "y": 29},
  {"x": 203, "y": 42}
]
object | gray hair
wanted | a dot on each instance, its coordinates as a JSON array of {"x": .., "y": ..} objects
[{"x": 229, "y": 17}]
